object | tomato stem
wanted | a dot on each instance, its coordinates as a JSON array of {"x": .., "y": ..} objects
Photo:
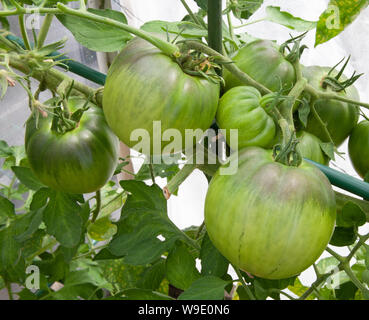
[
  {"x": 228, "y": 64},
  {"x": 24, "y": 32},
  {"x": 167, "y": 48},
  {"x": 243, "y": 282},
  {"x": 176, "y": 181},
  {"x": 44, "y": 30},
  {"x": 96, "y": 212}
]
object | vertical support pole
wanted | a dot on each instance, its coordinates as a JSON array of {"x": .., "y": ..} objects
[{"x": 215, "y": 25}]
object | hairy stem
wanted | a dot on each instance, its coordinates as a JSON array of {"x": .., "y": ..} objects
[
  {"x": 192, "y": 15},
  {"x": 228, "y": 64},
  {"x": 96, "y": 212},
  {"x": 24, "y": 32},
  {"x": 44, "y": 30},
  {"x": 244, "y": 285}
]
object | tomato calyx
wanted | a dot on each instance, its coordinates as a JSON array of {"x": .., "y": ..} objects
[
  {"x": 195, "y": 63},
  {"x": 294, "y": 53},
  {"x": 334, "y": 82}
]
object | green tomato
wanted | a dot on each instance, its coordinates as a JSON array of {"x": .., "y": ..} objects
[
  {"x": 270, "y": 219},
  {"x": 239, "y": 108},
  {"x": 262, "y": 60},
  {"x": 144, "y": 85},
  {"x": 340, "y": 117},
  {"x": 309, "y": 147},
  {"x": 358, "y": 148},
  {"x": 79, "y": 161}
]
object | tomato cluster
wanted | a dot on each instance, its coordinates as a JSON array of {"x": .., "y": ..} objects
[{"x": 270, "y": 218}]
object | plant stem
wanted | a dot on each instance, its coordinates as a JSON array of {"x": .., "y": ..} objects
[
  {"x": 24, "y": 32},
  {"x": 193, "y": 17},
  {"x": 249, "y": 23},
  {"x": 167, "y": 48},
  {"x": 52, "y": 78},
  {"x": 44, "y": 30},
  {"x": 244, "y": 285},
  {"x": 331, "y": 95},
  {"x": 334, "y": 254},
  {"x": 215, "y": 24},
  {"x": 314, "y": 285},
  {"x": 181, "y": 176},
  {"x": 228, "y": 64},
  {"x": 320, "y": 121},
  {"x": 151, "y": 168},
  {"x": 230, "y": 25},
  {"x": 42, "y": 250},
  {"x": 9, "y": 289},
  {"x": 96, "y": 212},
  {"x": 361, "y": 241}
]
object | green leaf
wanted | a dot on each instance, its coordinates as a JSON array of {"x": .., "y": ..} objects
[
  {"x": 181, "y": 268},
  {"x": 97, "y": 36},
  {"x": 4, "y": 23},
  {"x": 102, "y": 229},
  {"x": 139, "y": 294},
  {"x": 121, "y": 275},
  {"x": 351, "y": 215},
  {"x": 338, "y": 15},
  {"x": 346, "y": 291},
  {"x": 212, "y": 261},
  {"x": 35, "y": 221},
  {"x": 327, "y": 264},
  {"x": 39, "y": 199},
  {"x": 144, "y": 229},
  {"x": 343, "y": 236},
  {"x": 5, "y": 150},
  {"x": 205, "y": 288},
  {"x": 303, "y": 112},
  {"x": 299, "y": 289},
  {"x": 63, "y": 218},
  {"x": 203, "y": 4},
  {"x": 6, "y": 209},
  {"x": 159, "y": 170},
  {"x": 186, "y": 29},
  {"x": 328, "y": 149},
  {"x": 274, "y": 14},
  {"x": 27, "y": 177},
  {"x": 244, "y": 9},
  {"x": 153, "y": 276}
]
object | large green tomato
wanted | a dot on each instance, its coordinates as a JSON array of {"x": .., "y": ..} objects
[
  {"x": 144, "y": 85},
  {"x": 239, "y": 108},
  {"x": 79, "y": 161},
  {"x": 358, "y": 148},
  {"x": 269, "y": 219},
  {"x": 262, "y": 60},
  {"x": 339, "y": 116},
  {"x": 310, "y": 147}
]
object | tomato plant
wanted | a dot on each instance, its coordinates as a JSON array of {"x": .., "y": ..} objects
[{"x": 93, "y": 219}]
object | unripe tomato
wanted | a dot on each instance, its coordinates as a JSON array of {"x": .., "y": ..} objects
[
  {"x": 239, "y": 108},
  {"x": 309, "y": 147},
  {"x": 270, "y": 219},
  {"x": 358, "y": 148},
  {"x": 262, "y": 61},
  {"x": 340, "y": 117},
  {"x": 144, "y": 85},
  {"x": 79, "y": 161}
]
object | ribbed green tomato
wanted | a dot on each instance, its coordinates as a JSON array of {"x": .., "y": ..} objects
[
  {"x": 309, "y": 147},
  {"x": 340, "y": 117},
  {"x": 262, "y": 60},
  {"x": 358, "y": 148},
  {"x": 144, "y": 85},
  {"x": 79, "y": 161},
  {"x": 239, "y": 108},
  {"x": 270, "y": 219}
]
